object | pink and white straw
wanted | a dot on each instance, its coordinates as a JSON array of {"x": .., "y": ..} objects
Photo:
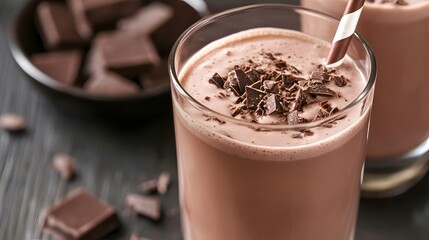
[{"x": 344, "y": 33}]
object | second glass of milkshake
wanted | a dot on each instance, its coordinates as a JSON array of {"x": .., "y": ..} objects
[
  {"x": 398, "y": 147},
  {"x": 270, "y": 143}
]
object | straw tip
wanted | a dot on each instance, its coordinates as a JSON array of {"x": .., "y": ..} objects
[{"x": 334, "y": 64}]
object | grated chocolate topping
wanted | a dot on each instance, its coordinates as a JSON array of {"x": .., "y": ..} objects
[{"x": 279, "y": 89}]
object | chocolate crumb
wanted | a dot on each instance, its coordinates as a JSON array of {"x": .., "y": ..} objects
[
  {"x": 296, "y": 135},
  {"x": 163, "y": 182},
  {"x": 65, "y": 165},
  {"x": 207, "y": 98}
]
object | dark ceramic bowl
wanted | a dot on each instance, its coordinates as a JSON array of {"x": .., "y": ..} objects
[{"x": 24, "y": 40}]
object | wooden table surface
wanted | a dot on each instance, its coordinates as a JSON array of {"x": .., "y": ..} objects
[{"x": 112, "y": 162}]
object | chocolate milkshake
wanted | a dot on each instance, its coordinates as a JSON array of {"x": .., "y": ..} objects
[
  {"x": 270, "y": 143},
  {"x": 398, "y": 32}
]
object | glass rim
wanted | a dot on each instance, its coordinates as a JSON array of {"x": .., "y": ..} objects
[{"x": 275, "y": 126}]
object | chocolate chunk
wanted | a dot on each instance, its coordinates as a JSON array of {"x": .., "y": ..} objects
[
  {"x": 56, "y": 26},
  {"x": 12, "y": 122},
  {"x": 80, "y": 216},
  {"x": 147, "y": 206},
  {"x": 95, "y": 15},
  {"x": 270, "y": 85},
  {"x": 110, "y": 84},
  {"x": 232, "y": 83},
  {"x": 257, "y": 85},
  {"x": 340, "y": 81},
  {"x": 148, "y": 19},
  {"x": 163, "y": 182},
  {"x": 243, "y": 79},
  {"x": 217, "y": 80},
  {"x": 297, "y": 135},
  {"x": 253, "y": 96},
  {"x": 137, "y": 237},
  {"x": 129, "y": 55},
  {"x": 293, "y": 118},
  {"x": 62, "y": 66},
  {"x": 289, "y": 80},
  {"x": 272, "y": 104},
  {"x": 156, "y": 77},
  {"x": 280, "y": 64},
  {"x": 299, "y": 101},
  {"x": 321, "y": 90},
  {"x": 65, "y": 165},
  {"x": 253, "y": 75},
  {"x": 320, "y": 76}
]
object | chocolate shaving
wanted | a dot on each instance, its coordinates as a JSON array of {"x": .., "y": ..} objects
[
  {"x": 321, "y": 90},
  {"x": 147, "y": 206}
]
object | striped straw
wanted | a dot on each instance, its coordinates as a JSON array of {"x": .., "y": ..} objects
[{"x": 344, "y": 33}]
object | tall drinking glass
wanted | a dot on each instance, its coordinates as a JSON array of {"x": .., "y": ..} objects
[{"x": 246, "y": 180}]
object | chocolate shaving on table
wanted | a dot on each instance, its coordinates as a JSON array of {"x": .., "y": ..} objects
[
  {"x": 12, "y": 122},
  {"x": 147, "y": 206},
  {"x": 149, "y": 186},
  {"x": 275, "y": 87}
]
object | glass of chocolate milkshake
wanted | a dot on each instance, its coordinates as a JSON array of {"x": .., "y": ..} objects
[
  {"x": 270, "y": 143},
  {"x": 398, "y": 148}
]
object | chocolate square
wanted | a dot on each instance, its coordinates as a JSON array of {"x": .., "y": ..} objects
[
  {"x": 56, "y": 26},
  {"x": 123, "y": 53},
  {"x": 95, "y": 15},
  {"x": 110, "y": 84},
  {"x": 80, "y": 216},
  {"x": 62, "y": 66}
]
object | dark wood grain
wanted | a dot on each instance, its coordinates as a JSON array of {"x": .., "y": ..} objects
[{"x": 112, "y": 162}]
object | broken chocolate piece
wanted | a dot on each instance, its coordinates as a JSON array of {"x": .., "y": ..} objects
[
  {"x": 289, "y": 80},
  {"x": 217, "y": 80},
  {"x": 320, "y": 76},
  {"x": 65, "y": 165},
  {"x": 340, "y": 81},
  {"x": 253, "y": 75},
  {"x": 299, "y": 101},
  {"x": 147, "y": 206},
  {"x": 62, "y": 66},
  {"x": 293, "y": 118},
  {"x": 272, "y": 104},
  {"x": 12, "y": 122},
  {"x": 129, "y": 55},
  {"x": 80, "y": 216},
  {"x": 148, "y": 19},
  {"x": 280, "y": 64},
  {"x": 253, "y": 96},
  {"x": 56, "y": 26},
  {"x": 232, "y": 84},
  {"x": 321, "y": 90},
  {"x": 95, "y": 15},
  {"x": 110, "y": 84},
  {"x": 243, "y": 79}
]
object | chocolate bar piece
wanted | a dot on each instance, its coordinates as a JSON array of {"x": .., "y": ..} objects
[
  {"x": 95, "y": 15},
  {"x": 156, "y": 77},
  {"x": 164, "y": 26},
  {"x": 80, "y": 216},
  {"x": 56, "y": 26},
  {"x": 148, "y": 19},
  {"x": 62, "y": 66},
  {"x": 123, "y": 53},
  {"x": 110, "y": 84}
]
